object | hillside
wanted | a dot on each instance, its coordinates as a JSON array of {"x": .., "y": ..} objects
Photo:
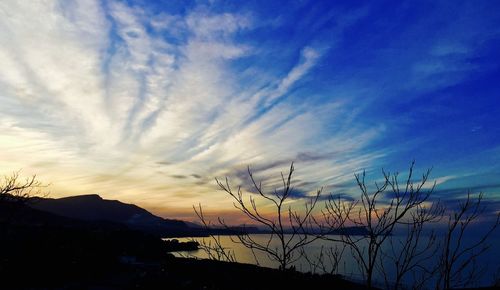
[
  {"x": 95, "y": 208},
  {"x": 42, "y": 250}
]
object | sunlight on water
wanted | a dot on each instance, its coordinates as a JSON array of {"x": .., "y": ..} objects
[
  {"x": 347, "y": 266},
  {"x": 245, "y": 255}
]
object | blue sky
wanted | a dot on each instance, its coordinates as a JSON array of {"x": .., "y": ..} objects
[{"x": 149, "y": 101}]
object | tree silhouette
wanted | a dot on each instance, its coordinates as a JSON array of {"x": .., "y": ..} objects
[
  {"x": 399, "y": 230},
  {"x": 458, "y": 261},
  {"x": 213, "y": 247},
  {"x": 288, "y": 228},
  {"x": 15, "y": 189},
  {"x": 380, "y": 212}
]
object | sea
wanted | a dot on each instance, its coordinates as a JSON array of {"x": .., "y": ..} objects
[{"x": 315, "y": 260}]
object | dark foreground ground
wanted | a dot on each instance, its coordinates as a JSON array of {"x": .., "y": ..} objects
[
  {"x": 125, "y": 260},
  {"x": 39, "y": 250}
]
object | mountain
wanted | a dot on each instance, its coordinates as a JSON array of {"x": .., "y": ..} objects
[
  {"x": 42, "y": 250},
  {"x": 95, "y": 208}
]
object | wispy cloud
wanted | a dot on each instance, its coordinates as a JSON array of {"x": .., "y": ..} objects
[
  {"x": 150, "y": 106},
  {"x": 309, "y": 57},
  {"x": 110, "y": 98}
]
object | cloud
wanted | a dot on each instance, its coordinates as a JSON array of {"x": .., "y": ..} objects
[
  {"x": 460, "y": 192},
  {"x": 150, "y": 106},
  {"x": 438, "y": 181},
  {"x": 179, "y": 176},
  {"x": 107, "y": 97},
  {"x": 309, "y": 57}
]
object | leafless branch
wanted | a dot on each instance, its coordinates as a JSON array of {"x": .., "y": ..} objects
[{"x": 290, "y": 230}]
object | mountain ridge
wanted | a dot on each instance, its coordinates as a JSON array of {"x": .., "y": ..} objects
[{"x": 92, "y": 207}]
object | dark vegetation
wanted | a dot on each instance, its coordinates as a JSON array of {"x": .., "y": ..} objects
[
  {"x": 405, "y": 204},
  {"x": 290, "y": 228}
]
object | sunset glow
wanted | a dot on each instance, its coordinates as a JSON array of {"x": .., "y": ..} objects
[{"x": 149, "y": 101}]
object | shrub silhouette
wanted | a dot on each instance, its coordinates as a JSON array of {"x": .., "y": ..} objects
[
  {"x": 395, "y": 204},
  {"x": 288, "y": 228}
]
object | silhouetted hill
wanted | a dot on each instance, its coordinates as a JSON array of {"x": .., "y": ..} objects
[
  {"x": 20, "y": 215},
  {"x": 41, "y": 250},
  {"x": 94, "y": 208}
]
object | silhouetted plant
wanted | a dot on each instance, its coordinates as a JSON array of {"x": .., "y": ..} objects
[
  {"x": 327, "y": 261},
  {"x": 391, "y": 204},
  {"x": 213, "y": 247},
  {"x": 458, "y": 261},
  {"x": 410, "y": 251},
  {"x": 395, "y": 205},
  {"x": 288, "y": 228},
  {"x": 15, "y": 189}
]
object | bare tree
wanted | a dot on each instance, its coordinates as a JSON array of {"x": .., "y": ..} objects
[
  {"x": 289, "y": 229},
  {"x": 15, "y": 189},
  {"x": 391, "y": 204},
  {"x": 395, "y": 205},
  {"x": 213, "y": 247},
  {"x": 14, "y": 192},
  {"x": 411, "y": 251},
  {"x": 458, "y": 262},
  {"x": 327, "y": 261}
]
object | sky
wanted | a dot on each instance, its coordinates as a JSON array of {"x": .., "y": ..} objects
[{"x": 148, "y": 102}]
